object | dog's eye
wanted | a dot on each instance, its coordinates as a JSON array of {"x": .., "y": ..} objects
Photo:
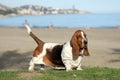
[
  {"x": 79, "y": 37},
  {"x": 85, "y": 35}
]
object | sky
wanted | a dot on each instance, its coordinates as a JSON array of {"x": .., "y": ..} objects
[{"x": 94, "y": 6}]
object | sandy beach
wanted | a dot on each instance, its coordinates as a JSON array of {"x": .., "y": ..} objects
[{"x": 16, "y": 47}]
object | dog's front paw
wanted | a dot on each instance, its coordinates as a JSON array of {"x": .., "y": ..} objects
[
  {"x": 68, "y": 70},
  {"x": 79, "y": 68}
]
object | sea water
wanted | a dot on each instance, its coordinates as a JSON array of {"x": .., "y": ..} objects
[{"x": 64, "y": 20}]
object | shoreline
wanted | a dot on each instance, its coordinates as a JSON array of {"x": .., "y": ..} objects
[{"x": 65, "y": 27}]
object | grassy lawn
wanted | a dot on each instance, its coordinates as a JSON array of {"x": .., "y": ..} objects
[{"x": 95, "y": 73}]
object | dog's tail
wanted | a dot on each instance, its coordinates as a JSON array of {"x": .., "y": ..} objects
[{"x": 37, "y": 40}]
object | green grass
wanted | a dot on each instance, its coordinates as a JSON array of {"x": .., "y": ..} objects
[{"x": 95, "y": 73}]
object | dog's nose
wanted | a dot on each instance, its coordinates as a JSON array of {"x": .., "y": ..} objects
[{"x": 85, "y": 42}]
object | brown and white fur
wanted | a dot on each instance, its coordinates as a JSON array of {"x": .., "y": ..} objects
[{"x": 68, "y": 55}]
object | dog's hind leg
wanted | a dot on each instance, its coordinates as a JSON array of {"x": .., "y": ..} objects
[{"x": 31, "y": 65}]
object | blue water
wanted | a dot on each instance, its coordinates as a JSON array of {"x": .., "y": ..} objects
[{"x": 62, "y": 20}]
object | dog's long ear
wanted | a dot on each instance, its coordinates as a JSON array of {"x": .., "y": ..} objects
[
  {"x": 75, "y": 46},
  {"x": 86, "y": 52}
]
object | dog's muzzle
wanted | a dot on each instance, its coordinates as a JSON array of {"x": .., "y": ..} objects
[{"x": 85, "y": 43}]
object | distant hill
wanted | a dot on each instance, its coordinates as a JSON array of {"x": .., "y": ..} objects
[
  {"x": 3, "y": 7},
  {"x": 37, "y": 10}
]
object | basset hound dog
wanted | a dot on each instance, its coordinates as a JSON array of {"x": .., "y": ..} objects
[{"x": 68, "y": 55}]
